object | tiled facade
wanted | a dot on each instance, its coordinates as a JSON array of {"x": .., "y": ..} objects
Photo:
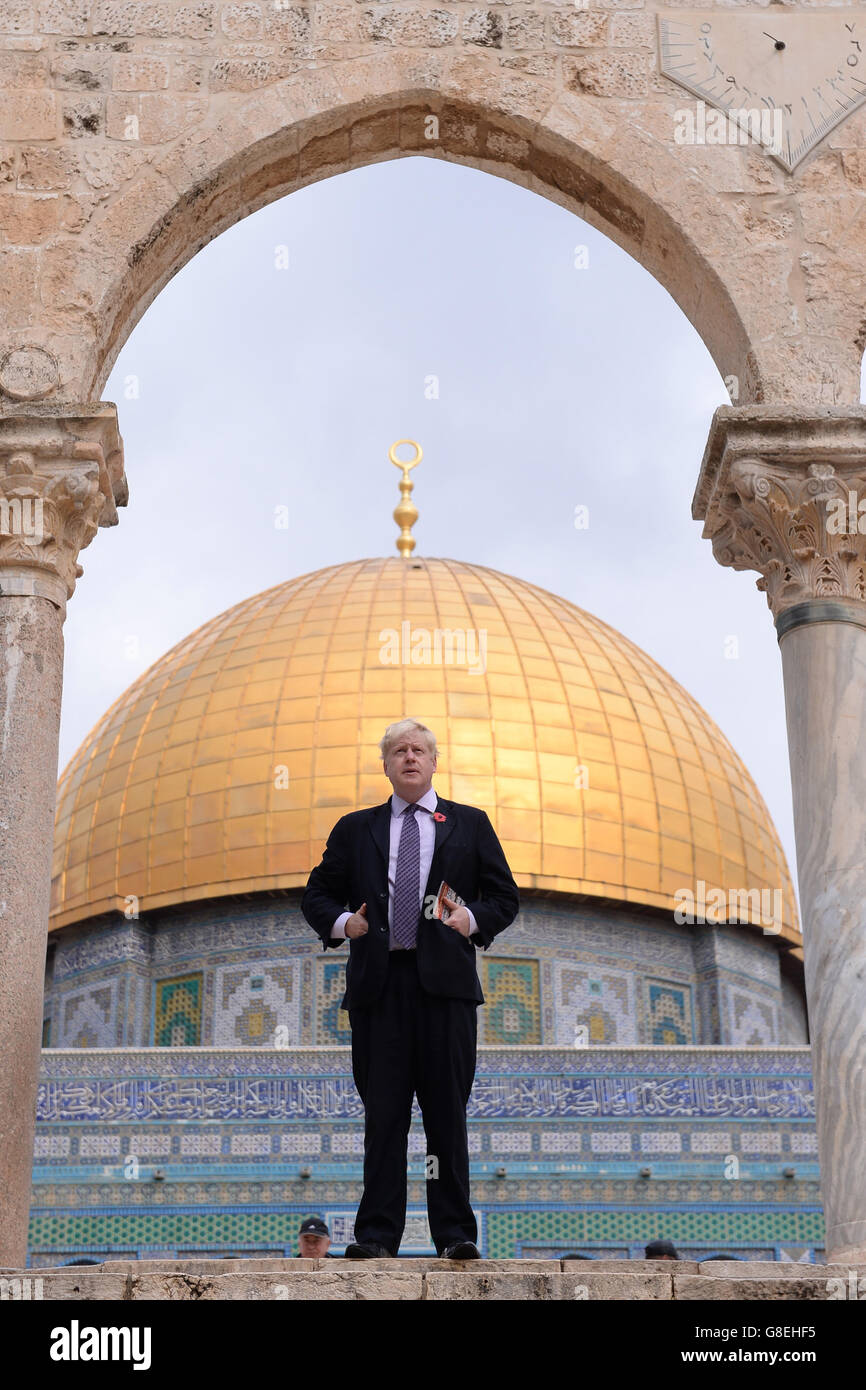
[
  {"x": 198, "y": 1098},
  {"x": 194, "y": 1150},
  {"x": 247, "y": 974}
]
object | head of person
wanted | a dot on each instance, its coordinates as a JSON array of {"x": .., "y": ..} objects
[
  {"x": 409, "y": 756},
  {"x": 313, "y": 1238},
  {"x": 661, "y": 1250}
]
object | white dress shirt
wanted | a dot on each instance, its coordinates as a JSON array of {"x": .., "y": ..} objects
[{"x": 427, "y": 843}]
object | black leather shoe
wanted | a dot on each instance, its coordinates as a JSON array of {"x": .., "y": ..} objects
[
  {"x": 463, "y": 1250},
  {"x": 368, "y": 1250}
]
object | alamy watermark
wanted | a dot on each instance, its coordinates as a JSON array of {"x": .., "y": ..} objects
[
  {"x": 438, "y": 646},
  {"x": 846, "y": 516},
  {"x": 702, "y": 906},
  {"x": 705, "y": 125},
  {"x": 23, "y": 517}
]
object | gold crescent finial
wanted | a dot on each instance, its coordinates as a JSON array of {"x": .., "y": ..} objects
[{"x": 406, "y": 513}]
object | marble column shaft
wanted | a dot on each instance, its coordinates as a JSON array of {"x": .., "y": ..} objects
[
  {"x": 61, "y": 476},
  {"x": 779, "y": 491},
  {"x": 825, "y": 698}
]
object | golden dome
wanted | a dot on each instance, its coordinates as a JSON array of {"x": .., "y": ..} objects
[{"x": 599, "y": 772}]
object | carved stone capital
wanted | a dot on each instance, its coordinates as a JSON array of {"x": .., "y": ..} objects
[
  {"x": 779, "y": 492},
  {"x": 61, "y": 476}
]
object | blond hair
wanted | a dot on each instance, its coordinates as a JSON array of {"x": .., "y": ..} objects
[{"x": 395, "y": 732}]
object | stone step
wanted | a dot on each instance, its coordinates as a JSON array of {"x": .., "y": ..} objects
[{"x": 416, "y": 1280}]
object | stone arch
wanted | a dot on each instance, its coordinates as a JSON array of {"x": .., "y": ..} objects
[{"x": 262, "y": 147}]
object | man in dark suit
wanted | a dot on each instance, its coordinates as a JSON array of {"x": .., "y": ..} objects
[{"x": 412, "y": 988}]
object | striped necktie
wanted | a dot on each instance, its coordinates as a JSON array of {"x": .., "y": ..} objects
[{"x": 407, "y": 881}]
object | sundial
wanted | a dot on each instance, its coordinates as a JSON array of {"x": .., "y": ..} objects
[{"x": 810, "y": 68}]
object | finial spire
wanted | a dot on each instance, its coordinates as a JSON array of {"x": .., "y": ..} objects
[{"x": 406, "y": 513}]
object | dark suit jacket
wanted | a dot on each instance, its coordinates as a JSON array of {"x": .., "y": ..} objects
[{"x": 354, "y": 869}]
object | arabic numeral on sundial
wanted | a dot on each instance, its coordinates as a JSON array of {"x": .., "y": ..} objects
[{"x": 705, "y": 31}]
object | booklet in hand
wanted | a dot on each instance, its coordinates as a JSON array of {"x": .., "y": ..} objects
[{"x": 440, "y": 910}]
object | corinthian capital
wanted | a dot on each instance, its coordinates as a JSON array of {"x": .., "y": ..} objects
[
  {"x": 61, "y": 476},
  {"x": 779, "y": 492}
]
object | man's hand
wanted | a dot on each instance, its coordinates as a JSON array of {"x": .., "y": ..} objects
[
  {"x": 357, "y": 925},
  {"x": 458, "y": 917}
]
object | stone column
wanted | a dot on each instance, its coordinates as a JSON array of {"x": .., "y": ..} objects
[
  {"x": 61, "y": 476},
  {"x": 780, "y": 492}
]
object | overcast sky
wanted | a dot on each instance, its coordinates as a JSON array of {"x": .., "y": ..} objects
[{"x": 260, "y": 384}]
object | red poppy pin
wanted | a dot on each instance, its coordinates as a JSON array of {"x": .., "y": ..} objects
[{"x": 437, "y": 815}]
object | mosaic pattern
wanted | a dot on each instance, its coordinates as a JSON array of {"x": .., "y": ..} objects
[
  {"x": 257, "y": 1005},
  {"x": 526, "y": 1097},
  {"x": 571, "y": 1128},
  {"x": 87, "y": 1016},
  {"x": 177, "y": 1019},
  {"x": 753, "y": 1019},
  {"x": 332, "y": 1022},
  {"x": 512, "y": 1012},
  {"x": 504, "y": 1233},
  {"x": 246, "y": 941},
  {"x": 725, "y": 1228},
  {"x": 669, "y": 1009},
  {"x": 600, "y": 1001}
]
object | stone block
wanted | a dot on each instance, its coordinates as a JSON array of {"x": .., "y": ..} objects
[
  {"x": 121, "y": 17},
  {"x": 159, "y": 20},
  {"x": 194, "y": 21},
  {"x": 83, "y": 116},
  {"x": 484, "y": 27},
  {"x": 615, "y": 1286},
  {"x": 632, "y": 31},
  {"x": 474, "y": 1285},
  {"x": 412, "y": 26},
  {"x": 165, "y": 115},
  {"x": 755, "y": 1269},
  {"x": 187, "y": 75},
  {"x": 28, "y": 219},
  {"x": 81, "y": 71},
  {"x": 311, "y": 1285},
  {"x": 138, "y": 73},
  {"x": 23, "y": 70},
  {"x": 808, "y": 1288},
  {"x": 247, "y": 74},
  {"x": 28, "y": 115},
  {"x": 336, "y": 23},
  {"x": 525, "y": 29},
  {"x": 17, "y": 17},
  {"x": 80, "y": 1285},
  {"x": 241, "y": 21},
  {"x": 64, "y": 16},
  {"x": 291, "y": 24},
  {"x": 46, "y": 171},
  {"x": 610, "y": 75},
  {"x": 579, "y": 28},
  {"x": 210, "y": 1267},
  {"x": 647, "y": 1267},
  {"x": 106, "y": 167}
]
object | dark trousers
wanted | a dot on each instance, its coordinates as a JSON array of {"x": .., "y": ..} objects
[{"x": 412, "y": 1042}]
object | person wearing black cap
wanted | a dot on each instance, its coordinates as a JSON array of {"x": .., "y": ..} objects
[
  {"x": 314, "y": 1239},
  {"x": 661, "y": 1250}
]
